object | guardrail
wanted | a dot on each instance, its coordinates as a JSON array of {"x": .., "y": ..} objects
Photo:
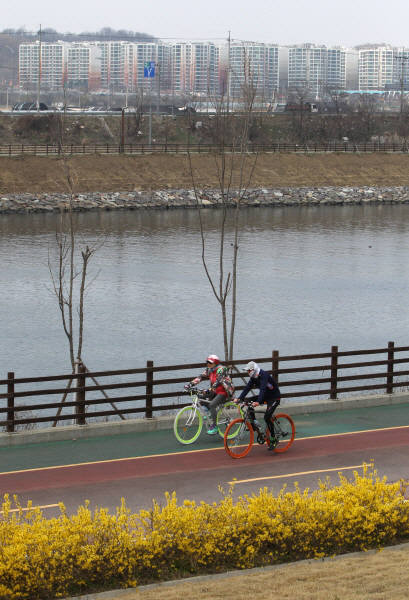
[
  {"x": 338, "y": 372},
  {"x": 277, "y": 147}
]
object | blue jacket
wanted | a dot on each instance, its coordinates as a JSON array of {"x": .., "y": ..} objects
[{"x": 269, "y": 389}]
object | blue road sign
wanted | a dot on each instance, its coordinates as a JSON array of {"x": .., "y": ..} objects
[{"x": 149, "y": 69}]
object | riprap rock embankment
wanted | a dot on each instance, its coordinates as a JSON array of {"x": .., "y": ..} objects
[{"x": 161, "y": 199}]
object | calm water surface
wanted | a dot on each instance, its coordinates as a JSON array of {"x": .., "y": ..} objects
[{"x": 309, "y": 278}]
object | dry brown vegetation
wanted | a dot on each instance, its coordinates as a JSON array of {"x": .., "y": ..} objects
[
  {"x": 159, "y": 171},
  {"x": 365, "y": 576}
]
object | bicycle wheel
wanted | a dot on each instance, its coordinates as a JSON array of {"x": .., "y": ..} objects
[
  {"x": 225, "y": 415},
  {"x": 239, "y": 445},
  {"x": 284, "y": 430},
  {"x": 188, "y": 425}
]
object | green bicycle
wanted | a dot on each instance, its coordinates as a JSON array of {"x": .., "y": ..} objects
[{"x": 189, "y": 420}]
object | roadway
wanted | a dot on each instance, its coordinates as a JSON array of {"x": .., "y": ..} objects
[{"x": 143, "y": 466}]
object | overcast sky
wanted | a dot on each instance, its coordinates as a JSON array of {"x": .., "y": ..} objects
[{"x": 347, "y": 23}]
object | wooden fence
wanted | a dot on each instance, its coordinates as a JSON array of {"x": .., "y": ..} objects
[
  {"x": 337, "y": 376},
  {"x": 71, "y": 149}
]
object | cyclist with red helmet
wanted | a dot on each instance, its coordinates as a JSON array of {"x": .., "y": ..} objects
[{"x": 221, "y": 387}]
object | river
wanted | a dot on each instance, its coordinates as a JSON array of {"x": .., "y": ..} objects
[{"x": 309, "y": 278}]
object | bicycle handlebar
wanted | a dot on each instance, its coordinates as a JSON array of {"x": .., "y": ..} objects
[
  {"x": 247, "y": 403},
  {"x": 195, "y": 390}
]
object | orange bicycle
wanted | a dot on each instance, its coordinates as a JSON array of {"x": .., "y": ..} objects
[{"x": 240, "y": 445}]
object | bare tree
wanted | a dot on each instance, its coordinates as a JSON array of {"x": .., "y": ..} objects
[
  {"x": 362, "y": 123},
  {"x": 403, "y": 125},
  {"x": 334, "y": 99},
  {"x": 297, "y": 102},
  {"x": 135, "y": 116},
  {"x": 234, "y": 167},
  {"x": 69, "y": 281},
  {"x": 69, "y": 272},
  {"x": 66, "y": 273}
]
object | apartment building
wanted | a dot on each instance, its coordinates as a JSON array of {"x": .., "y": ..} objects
[
  {"x": 313, "y": 69},
  {"x": 253, "y": 66},
  {"x": 194, "y": 68},
  {"x": 383, "y": 68},
  {"x": 376, "y": 68},
  {"x": 123, "y": 63},
  {"x": 200, "y": 68},
  {"x": 146, "y": 52},
  {"x": 83, "y": 67},
  {"x": 336, "y": 68},
  {"x": 72, "y": 64},
  {"x": 401, "y": 68},
  {"x": 114, "y": 65},
  {"x": 50, "y": 67}
]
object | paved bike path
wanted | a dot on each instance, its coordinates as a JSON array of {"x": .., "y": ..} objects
[{"x": 76, "y": 451}]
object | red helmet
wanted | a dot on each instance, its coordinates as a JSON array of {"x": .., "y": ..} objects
[{"x": 212, "y": 358}]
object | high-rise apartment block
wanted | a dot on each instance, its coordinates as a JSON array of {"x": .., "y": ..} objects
[
  {"x": 253, "y": 69},
  {"x": 383, "y": 68},
  {"x": 376, "y": 68},
  {"x": 314, "y": 69},
  {"x": 49, "y": 67},
  {"x": 401, "y": 65},
  {"x": 188, "y": 67},
  {"x": 82, "y": 68},
  {"x": 194, "y": 68},
  {"x": 210, "y": 69}
]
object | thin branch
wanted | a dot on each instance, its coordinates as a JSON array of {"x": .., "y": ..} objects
[{"x": 201, "y": 230}]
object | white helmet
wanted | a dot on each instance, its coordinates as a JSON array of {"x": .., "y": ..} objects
[{"x": 252, "y": 369}]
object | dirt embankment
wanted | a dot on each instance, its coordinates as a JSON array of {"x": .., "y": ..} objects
[{"x": 159, "y": 171}]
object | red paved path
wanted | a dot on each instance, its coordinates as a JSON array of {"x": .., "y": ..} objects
[{"x": 202, "y": 468}]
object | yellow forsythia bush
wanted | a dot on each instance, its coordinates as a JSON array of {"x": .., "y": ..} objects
[{"x": 50, "y": 558}]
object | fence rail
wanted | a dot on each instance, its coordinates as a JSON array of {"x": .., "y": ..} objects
[
  {"x": 283, "y": 147},
  {"x": 334, "y": 366}
]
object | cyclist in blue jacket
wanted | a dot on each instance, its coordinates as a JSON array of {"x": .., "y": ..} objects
[{"x": 269, "y": 393}]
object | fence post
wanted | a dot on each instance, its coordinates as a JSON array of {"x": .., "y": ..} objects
[
  {"x": 275, "y": 363},
  {"x": 10, "y": 403},
  {"x": 389, "y": 377},
  {"x": 80, "y": 395},
  {"x": 149, "y": 389},
  {"x": 334, "y": 372}
]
